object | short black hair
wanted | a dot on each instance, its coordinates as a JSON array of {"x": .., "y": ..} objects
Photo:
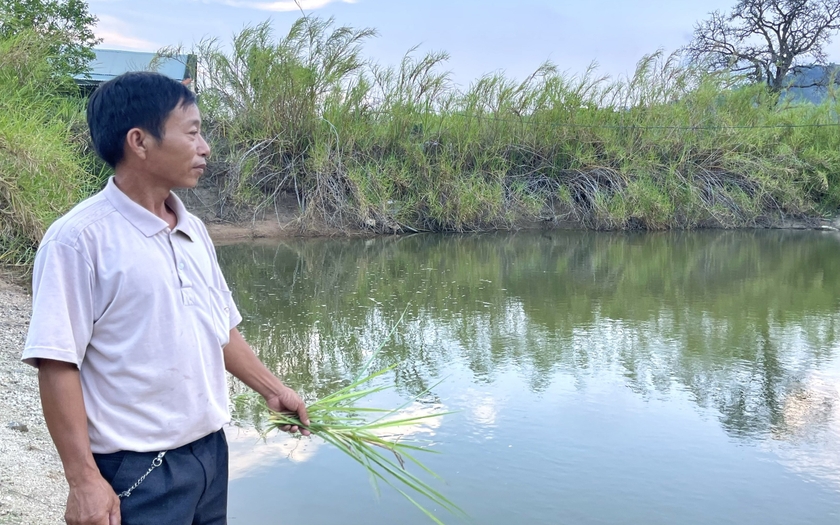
[{"x": 140, "y": 99}]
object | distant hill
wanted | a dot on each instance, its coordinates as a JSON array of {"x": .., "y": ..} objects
[{"x": 811, "y": 83}]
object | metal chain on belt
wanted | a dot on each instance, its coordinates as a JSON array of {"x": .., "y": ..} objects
[{"x": 158, "y": 461}]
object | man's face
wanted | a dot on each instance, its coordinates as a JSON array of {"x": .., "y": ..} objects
[{"x": 178, "y": 160}]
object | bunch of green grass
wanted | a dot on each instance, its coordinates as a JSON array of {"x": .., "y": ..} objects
[
  {"x": 341, "y": 420},
  {"x": 372, "y": 437}
]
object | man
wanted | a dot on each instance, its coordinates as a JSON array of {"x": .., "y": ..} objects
[{"x": 133, "y": 324}]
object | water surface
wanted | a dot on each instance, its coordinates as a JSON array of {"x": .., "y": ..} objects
[{"x": 598, "y": 378}]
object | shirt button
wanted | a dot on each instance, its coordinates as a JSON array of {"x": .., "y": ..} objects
[{"x": 180, "y": 266}]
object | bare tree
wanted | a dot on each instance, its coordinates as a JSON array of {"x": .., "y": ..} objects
[{"x": 766, "y": 39}]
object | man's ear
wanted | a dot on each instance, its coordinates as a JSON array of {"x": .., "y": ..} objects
[{"x": 136, "y": 141}]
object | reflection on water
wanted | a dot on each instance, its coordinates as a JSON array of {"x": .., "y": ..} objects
[
  {"x": 808, "y": 440},
  {"x": 743, "y": 325},
  {"x": 734, "y": 317},
  {"x": 254, "y": 451}
]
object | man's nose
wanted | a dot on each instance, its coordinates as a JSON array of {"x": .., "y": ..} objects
[{"x": 203, "y": 147}]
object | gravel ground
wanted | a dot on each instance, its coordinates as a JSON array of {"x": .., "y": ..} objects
[{"x": 32, "y": 486}]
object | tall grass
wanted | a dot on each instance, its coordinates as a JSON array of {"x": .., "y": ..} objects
[
  {"x": 402, "y": 148},
  {"x": 42, "y": 171}
]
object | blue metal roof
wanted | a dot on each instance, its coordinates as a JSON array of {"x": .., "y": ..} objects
[{"x": 110, "y": 63}]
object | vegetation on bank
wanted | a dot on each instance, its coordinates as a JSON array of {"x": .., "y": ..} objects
[
  {"x": 403, "y": 148},
  {"x": 43, "y": 167}
]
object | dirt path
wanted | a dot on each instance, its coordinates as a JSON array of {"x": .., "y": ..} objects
[{"x": 32, "y": 486}]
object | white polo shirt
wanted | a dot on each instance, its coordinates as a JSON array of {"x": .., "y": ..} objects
[{"x": 144, "y": 312}]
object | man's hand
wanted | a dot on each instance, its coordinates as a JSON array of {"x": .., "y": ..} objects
[
  {"x": 287, "y": 400},
  {"x": 92, "y": 502},
  {"x": 241, "y": 361}
]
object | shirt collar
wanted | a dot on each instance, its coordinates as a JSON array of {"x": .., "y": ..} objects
[{"x": 147, "y": 222}]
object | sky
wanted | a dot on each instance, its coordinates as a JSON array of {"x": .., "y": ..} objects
[{"x": 482, "y": 37}]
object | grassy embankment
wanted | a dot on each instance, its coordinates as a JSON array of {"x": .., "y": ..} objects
[
  {"x": 43, "y": 168},
  {"x": 404, "y": 149}
]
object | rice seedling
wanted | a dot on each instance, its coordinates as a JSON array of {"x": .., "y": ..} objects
[
  {"x": 340, "y": 419},
  {"x": 374, "y": 437}
]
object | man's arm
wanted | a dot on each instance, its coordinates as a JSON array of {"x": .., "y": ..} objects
[
  {"x": 91, "y": 501},
  {"x": 241, "y": 361}
]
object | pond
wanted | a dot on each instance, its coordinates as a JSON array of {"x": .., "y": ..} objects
[{"x": 595, "y": 378}]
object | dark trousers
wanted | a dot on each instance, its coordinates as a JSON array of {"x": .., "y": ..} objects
[{"x": 189, "y": 488}]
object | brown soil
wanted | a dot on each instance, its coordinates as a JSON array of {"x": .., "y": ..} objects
[
  {"x": 234, "y": 232},
  {"x": 228, "y": 223}
]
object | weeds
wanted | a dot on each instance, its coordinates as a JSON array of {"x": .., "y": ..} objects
[{"x": 402, "y": 149}]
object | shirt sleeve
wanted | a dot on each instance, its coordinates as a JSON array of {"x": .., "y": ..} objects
[{"x": 62, "y": 305}]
